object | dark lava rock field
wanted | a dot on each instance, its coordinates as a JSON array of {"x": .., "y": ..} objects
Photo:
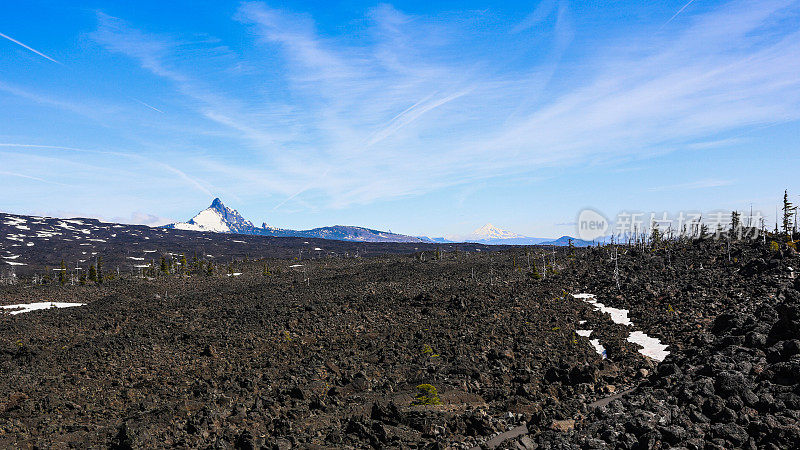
[{"x": 281, "y": 351}]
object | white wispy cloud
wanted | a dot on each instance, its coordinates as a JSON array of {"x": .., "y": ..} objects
[
  {"x": 699, "y": 184},
  {"x": 387, "y": 115},
  {"x": 29, "y": 177},
  {"x": 195, "y": 183}
]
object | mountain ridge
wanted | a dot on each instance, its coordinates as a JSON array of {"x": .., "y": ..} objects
[
  {"x": 219, "y": 218},
  {"x": 489, "y": 234}
]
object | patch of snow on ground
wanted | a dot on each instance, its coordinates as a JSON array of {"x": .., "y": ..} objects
[
  {"x": 149, "y": 251},
  {"x": 74, "y": 221},
  {"x": 11, "y": 257},
  {"x": 12, "y": 263},
  {"x": 619, "y": 316},
  {"x": 28, "y": 307},
  {"x": 317, "y": 248},
  {"x": 235, "y": 274},
  {"x": 135, "y": 258},
  {"x": 598, "y": 347},
  {"x": 651, "y": 347},
  {"x": 241, "y": 242},
  {"x": 595, "y": 342},
  {"x": 296, "y": 265}
]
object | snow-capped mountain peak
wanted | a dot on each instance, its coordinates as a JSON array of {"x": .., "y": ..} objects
[
  {"x": 217, "y": 218},
  {"x": 221, "y": 219},
  {"x": 490, "y": 231}
]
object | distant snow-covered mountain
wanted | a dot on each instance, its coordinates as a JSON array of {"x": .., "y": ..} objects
[
  {"x": 217, "y": 218},
  {"x": 220, "y": 219},
  {"x": 490, "y": 231},
  {"x": 491, "y": 235}
]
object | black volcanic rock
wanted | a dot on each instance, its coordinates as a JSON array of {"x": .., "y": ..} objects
[{"x": 30, "y": 244}]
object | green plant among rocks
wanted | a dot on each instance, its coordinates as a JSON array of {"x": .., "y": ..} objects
[
  {"x": 92, "y": 273},
  {"x": 99, "y": 270},
  {"x": 62, "y": 274},
  {"x": 534, "y": 272},
  {"x": 426, "y": 395}
]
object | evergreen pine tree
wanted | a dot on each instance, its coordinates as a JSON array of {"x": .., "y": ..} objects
[
  {"x": 99, "y": 269},
  {"x": 183, "y": 264},
  {"x": 164, "y": 267},
  {"x": 92, "y": 273},
  {"x": 735, "y": 223},
  {"x": 535, "y": 271},
  {"x": 788, "y": 212},
  {"x": 62, "y": 274},
  {"x": 655, "y": 236}
]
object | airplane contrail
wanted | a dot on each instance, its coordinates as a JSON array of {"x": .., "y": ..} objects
[
  {"x": 149, "y": 106},
  {"x": 679, "y": 11},
  {"x": 29, "y": 48}
]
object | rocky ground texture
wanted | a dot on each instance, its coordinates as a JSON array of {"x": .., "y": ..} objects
[{"x": 329, "y": 353}]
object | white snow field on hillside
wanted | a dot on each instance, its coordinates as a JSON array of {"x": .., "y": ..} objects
[{"x": 206, "y": 220}]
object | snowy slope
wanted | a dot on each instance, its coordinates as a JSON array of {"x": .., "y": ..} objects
[
  {"x": 220, "y": 219},
  {"x": 216, "y": 218},
  {"x": 490, "y": 231},
  {"x": 206, "y": 220}
]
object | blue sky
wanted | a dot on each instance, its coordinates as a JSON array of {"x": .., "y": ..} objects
[{"x": 426, "y": 118}]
